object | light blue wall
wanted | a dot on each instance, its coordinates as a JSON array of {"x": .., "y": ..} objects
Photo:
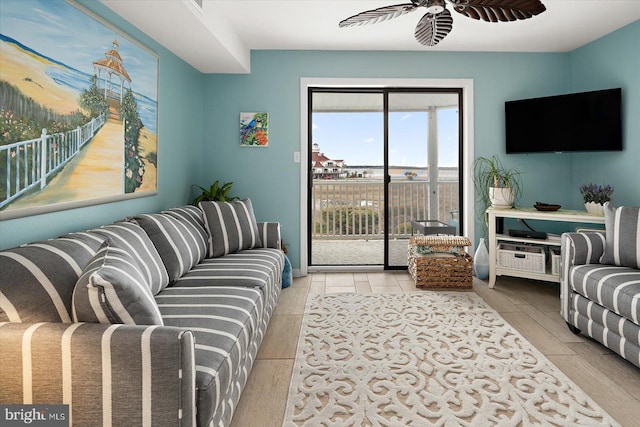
[
  {"x": 179, "y": 149},
  {"x": 609, "y": 62},
  {"x": 199, "y": 114},
  {"x": 272, "y": 180}
]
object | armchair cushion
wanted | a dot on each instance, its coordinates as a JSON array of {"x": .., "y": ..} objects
[
  {"x": 615, "y": 288},
  {"x": 113, "y": 289},
  {"x": 623, "y": 236},
  {"x": 231, "y": 227}
]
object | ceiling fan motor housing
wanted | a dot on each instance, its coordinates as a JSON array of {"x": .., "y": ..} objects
[{"x": 435, "y": 6}]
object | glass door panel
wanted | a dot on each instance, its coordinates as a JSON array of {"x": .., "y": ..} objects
[
  {"x": 422, "y": 158},
  {"x": 346, "y": 191}
]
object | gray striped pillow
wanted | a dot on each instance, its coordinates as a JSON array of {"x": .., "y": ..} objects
[
  {"x": 623, "y": 236},
  {"x": 133, "y": 238},
  {"x": 270, "y": 234},
  {"x": 37, "y": 280},
  {"x": 113, "y": 289},
  {"x": 193, "y": 224},
  {"x": 176, "y": 240},
  {"x": 231, "y": 227}
]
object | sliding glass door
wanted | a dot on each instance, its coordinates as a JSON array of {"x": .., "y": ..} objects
[{"x": 379, "y": 158}]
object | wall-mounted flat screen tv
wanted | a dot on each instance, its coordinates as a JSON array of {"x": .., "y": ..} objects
[{"x": 587, "y": 121}]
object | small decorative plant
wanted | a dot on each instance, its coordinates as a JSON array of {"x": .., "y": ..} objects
[
  {"x": 596, "y": 193},
  {"x": 216, "y": 193},
  {"x": 490, "y": 173}
]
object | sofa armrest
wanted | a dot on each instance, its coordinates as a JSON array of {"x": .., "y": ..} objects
[
  {"x": 107, "y": 374},
  {"x": 583, "y": 248},
  {"x": 577, "y": 249},
  {"x": 270, "y": 234}
]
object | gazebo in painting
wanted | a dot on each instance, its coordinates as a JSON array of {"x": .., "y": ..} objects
[{"x": 111, "y": 73}]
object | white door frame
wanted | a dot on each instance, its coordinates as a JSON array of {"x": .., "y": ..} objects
[{"x": 467, "y": 136}]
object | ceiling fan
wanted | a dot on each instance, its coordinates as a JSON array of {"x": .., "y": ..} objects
[{"x": 438, "y": 22}]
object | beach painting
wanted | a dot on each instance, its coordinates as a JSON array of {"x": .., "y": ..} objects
[
  {"x": 78, "y": 110},
  {"x": 254, "y": 129}
]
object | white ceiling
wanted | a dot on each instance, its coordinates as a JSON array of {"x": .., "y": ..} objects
[{"x": 218, "y": 37}]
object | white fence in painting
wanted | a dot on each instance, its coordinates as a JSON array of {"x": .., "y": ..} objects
[{"x": 28, "y": 164}]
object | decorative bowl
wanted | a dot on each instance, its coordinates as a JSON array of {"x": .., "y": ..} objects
[{"x": 546, "y": 207}]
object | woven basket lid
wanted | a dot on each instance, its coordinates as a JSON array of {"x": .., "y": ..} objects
[{"x": 440, "y": 241}]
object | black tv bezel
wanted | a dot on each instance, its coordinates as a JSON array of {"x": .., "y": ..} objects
[{"x": 571, "y": 146}]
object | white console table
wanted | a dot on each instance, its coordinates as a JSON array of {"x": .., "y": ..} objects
[{"x": 561, "y": 215}]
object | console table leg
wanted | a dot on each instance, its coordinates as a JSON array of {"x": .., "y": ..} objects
[{"x": 492, "y": 249}]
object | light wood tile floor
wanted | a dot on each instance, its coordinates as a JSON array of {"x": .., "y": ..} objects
[{"x": 529, "y": 306}]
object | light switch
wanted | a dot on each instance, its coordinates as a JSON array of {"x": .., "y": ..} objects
[{"x": 296, "y": 157}]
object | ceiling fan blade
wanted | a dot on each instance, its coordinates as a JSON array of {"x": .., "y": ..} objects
[
  {"x": 498, "y": 10},
  {"x": 432, "y": 29},
  {"x": 378, "y": 15}
]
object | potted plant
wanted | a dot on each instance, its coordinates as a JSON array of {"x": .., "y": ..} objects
[
  {"x": 595, "y": 196},
  {"x": 215, "y": 193},
  {"x": 495, "y": 185}
]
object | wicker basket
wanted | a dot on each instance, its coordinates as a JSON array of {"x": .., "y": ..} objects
[
  {"x": 521, "y": 257},
  {"x": 441, "y": 270}
]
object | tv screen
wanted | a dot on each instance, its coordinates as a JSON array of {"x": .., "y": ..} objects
[{"x": 587, "y": 121}]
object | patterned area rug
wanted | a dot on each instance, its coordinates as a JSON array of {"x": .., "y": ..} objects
[{"x": 422, "y": 359}]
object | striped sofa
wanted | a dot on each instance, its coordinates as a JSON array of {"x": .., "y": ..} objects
[
  {"x": 134, "y": 323},
  {"x": 600, "y": 282}
]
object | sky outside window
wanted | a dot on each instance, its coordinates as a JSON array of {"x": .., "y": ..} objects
[{"x": 358, "y": 138}]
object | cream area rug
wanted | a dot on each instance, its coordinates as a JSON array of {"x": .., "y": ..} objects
[{"x": 425, "y": 359}]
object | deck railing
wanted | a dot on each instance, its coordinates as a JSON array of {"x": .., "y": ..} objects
[
  {"x": 28, "y": 164},
  {"x": 354, "y": 208}
]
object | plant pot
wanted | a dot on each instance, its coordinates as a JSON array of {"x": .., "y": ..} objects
[
  {"x": 501, "y": 198},
  {"x": 594, "y": 208}
]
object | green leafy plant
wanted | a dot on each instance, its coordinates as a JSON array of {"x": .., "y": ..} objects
[
  {"x": 93, "y": 99},
  {"x": 215, "y": 193},
  {"x": 488, "y": 173},
  {"x": 133, "y": 164},
  {"x": 404, "y": 228}
]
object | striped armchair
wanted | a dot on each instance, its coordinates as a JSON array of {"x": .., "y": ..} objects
[
  {"x": 600, "y": 297},
  {"x": 134, "y": 323}
]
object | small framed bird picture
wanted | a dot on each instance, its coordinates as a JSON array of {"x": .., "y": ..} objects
[{"x": 254, "y": 129}]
